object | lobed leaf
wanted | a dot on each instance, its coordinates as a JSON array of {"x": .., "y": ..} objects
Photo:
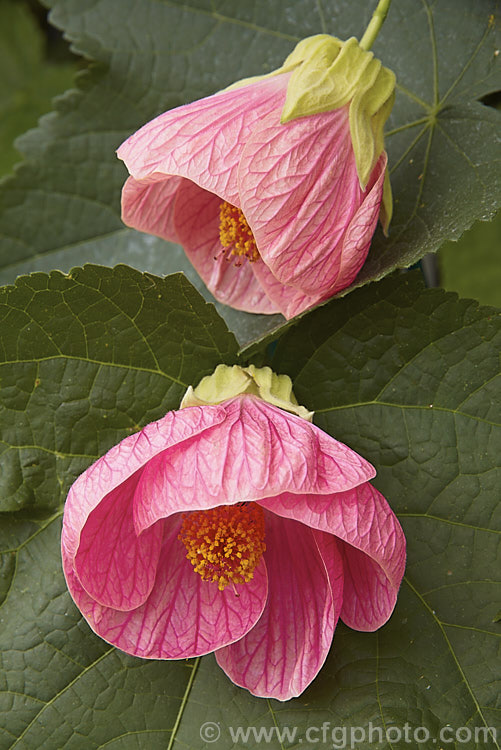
[
  {"x": 151, "y": 56},
  {"x": 85, "y": 360},
  {"x": 410, "y": 379}
]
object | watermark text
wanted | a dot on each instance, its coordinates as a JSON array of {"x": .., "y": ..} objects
[{"x": 344, "y": 738}]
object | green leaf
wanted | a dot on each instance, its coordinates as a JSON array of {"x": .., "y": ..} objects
[
  {"x": 71, "y": 689},
  {"x": 443, "y": 150},
  {"x": 410, "y": 379},
  {"x": 88, "y": 358},
  {"x": 152, "y": 55},
  {"x": 28, "y": 81}
]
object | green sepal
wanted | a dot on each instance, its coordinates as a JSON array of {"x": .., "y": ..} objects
[
  {"x": 329, "y": 74},
  {"x": 228, "y": 382},
  {"x": 386, "y": 210}
]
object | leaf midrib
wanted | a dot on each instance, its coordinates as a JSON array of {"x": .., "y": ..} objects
[
  {"x": 133, "y": 368},
  {"x": 427, "y": 408}
]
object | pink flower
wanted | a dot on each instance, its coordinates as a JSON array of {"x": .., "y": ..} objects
[
  {"x": 272, "y": 216},
  {"x": 237, "y": 528}
]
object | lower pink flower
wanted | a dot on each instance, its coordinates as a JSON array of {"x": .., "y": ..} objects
[{"x": 237, "y": 528}]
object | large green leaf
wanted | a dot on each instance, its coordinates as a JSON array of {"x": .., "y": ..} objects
[
  {"x": 63, "y": 205},
  {"x": 62, "y": 687},
  {"x": 407, "y": 377},
  {"x": 88, "y": 358}
]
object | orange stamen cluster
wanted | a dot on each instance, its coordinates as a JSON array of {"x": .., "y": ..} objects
[
  {"x": 235, "y": 233},
  {"x": 225, "y": 544}
]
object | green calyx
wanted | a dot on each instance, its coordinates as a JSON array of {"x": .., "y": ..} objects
[
  {"x": 228, "y": 382},
  {"x": 330, "y": 74}
]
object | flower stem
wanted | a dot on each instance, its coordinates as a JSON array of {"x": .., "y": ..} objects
[{"x": 374, "y": 27}]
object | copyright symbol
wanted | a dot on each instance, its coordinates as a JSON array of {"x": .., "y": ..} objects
[{"x": 210, "y": 731}]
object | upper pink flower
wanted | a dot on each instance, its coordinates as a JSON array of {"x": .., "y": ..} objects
[
  {"x": 275, "y": 217},
  {"x": 237, "y": 528}
]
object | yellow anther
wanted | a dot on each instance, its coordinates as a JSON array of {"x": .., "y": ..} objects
[
  {"x": 225, "y": 544},
  {"x": 235, "y": 233}
]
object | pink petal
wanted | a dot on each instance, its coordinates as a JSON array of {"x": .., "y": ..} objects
[
  {"x": 184, "y": 616},
  {"x": 358, "y": 236},
  {"x": 115, "y": 566},
  {"x": 197, "y": 227},
  {"x": 350, "y": 255},
  {"x": 288, "y": 300},
  {"x": 148, "y": 205},
  {"x": 258, "y": 451},
  {"x": 203, "y": 141},
  {"x": 362, "y": 518},
  {"x": 285, "y": 650},
  {"x": 369, "y": 595},
  {"x": 299, "y": 190}
]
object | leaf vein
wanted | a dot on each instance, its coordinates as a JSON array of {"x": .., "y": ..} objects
[
  {"x": 452, "y": 652},
  {"x": 61, "y": 692}
]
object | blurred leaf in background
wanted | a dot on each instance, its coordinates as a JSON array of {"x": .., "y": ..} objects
[
  {"x": 30, "y": 78},
  {"x": 472, "y": 266}
]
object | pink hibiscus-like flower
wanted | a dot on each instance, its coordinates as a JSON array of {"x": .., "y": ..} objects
[
  {"x": 235, "y": 527},
  {"x": 275, "y": 185}
]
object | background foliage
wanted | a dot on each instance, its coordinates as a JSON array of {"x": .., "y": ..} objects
[
  {"x": 408, "y": 377},
  {"x": 30, "y": 78}
]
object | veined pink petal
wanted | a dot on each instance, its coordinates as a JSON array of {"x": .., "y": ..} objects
[
  {"x": 148, "y": 205},
  {"x": 259, "y": 451},
  {"x": 116, "y": 567},
  {"x": 197, "y": 226},
  {"x": 203, "y": 141},
  {"x": 361, "y": 517},
  {"x": 330, "y": 551},
  {"x": 111, "y": 481},
  {"x": 369, "y": 595},
  {"x": 287, "y": 299},
  {"x": 184, "y": 616},
  {"x": 285, "y": 650},
  {"x": 358, "y": 236},
  {"x": 299, "y": 190}
]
